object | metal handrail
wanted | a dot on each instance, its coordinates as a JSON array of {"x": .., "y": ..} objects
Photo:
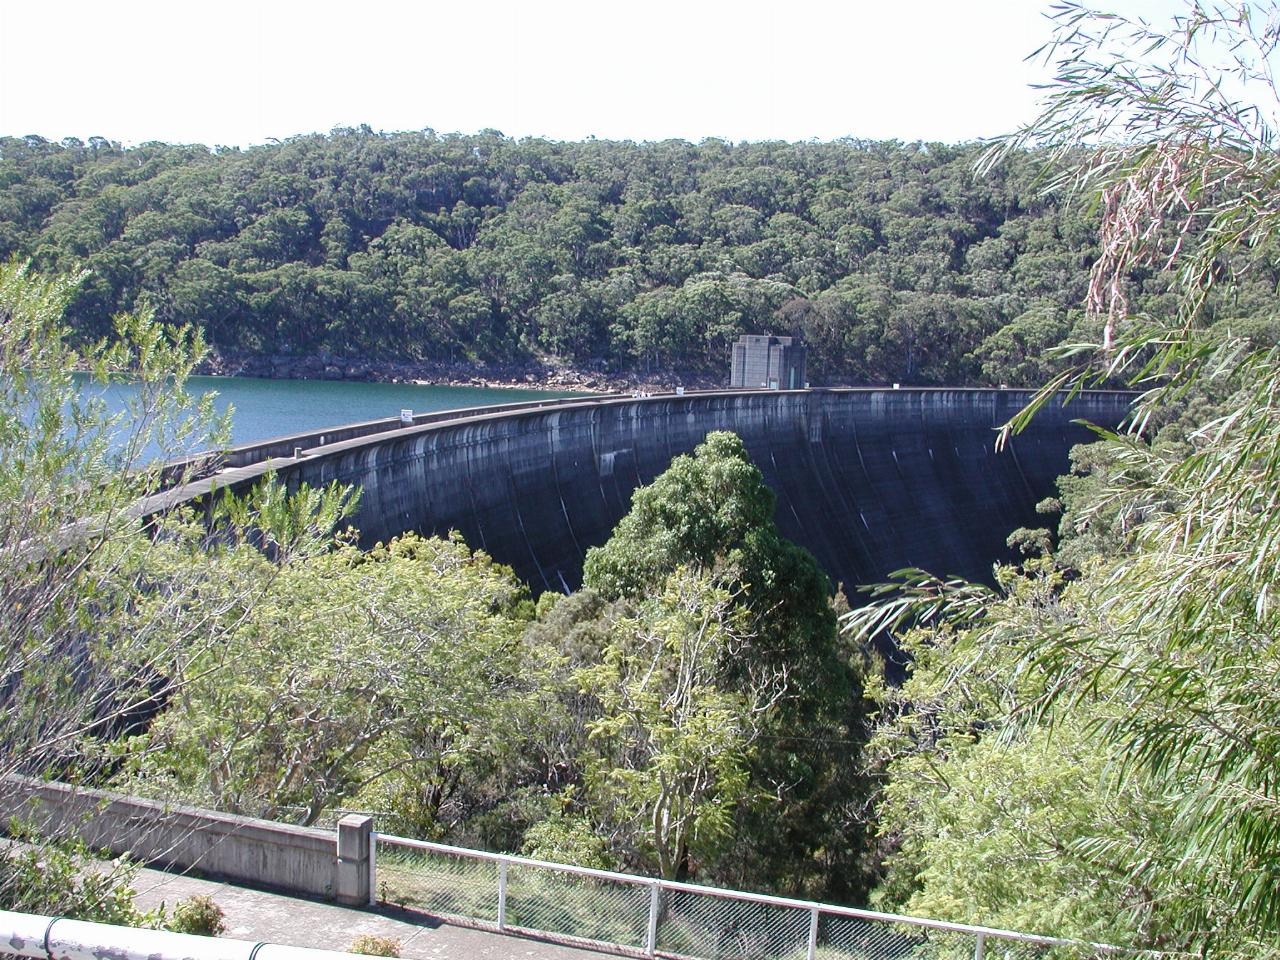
[{"x": 37, "y": 937}]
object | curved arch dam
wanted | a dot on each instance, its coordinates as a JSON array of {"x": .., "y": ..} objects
[{"x": 869, "y": 480}]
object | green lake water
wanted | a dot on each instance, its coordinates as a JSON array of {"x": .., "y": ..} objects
[{"x": 271, "y": 408}]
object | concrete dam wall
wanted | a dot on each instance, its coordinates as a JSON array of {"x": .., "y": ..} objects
[{"x": 869, "y": 480}]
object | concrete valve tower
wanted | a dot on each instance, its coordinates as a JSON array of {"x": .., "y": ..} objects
[{"x": 768, "y": 362}]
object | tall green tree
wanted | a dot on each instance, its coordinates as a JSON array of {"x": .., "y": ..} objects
[
  {"x": 712, "y": 512},
  {"x": 96, "y": 633},
  {"x": 668, "y": 753},
  {"x": 1158, "y": 657},
  {"x": 69, "y": 473}
]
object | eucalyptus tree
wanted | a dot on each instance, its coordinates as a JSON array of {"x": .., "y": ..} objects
[
  {"x": 1153, "y": 659},
  {"x": 669, "y": 751},
  {"x": 95, "y": 635},
  {"x": 711, "y": 514},
  {"x": 391, "y": 678},
  {"x": 1186, "y": 183}
]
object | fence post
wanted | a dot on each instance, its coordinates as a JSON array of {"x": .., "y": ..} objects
[
  {"x": 980, "y": 947},
  {"x": 353, "y": 874},
  {"x": 651, "y": 935},
  {"x": 373, "y": 868},
  {"x": 502, "y": 895},
  {"x": 813, "y": 932}
]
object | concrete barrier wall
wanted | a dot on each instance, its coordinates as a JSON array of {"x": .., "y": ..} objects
[
  {"x": 261, "y": 852},
  {"x": 869, "y": 480},
  {"x": 284, "y": 446}
]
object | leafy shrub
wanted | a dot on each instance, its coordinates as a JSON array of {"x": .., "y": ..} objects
[
  {"x": 565, "y": 838},
  {"x": 64, "y": 879},
  {"x": 372, "y": 946},
  {"x": 198, "y": 915}
]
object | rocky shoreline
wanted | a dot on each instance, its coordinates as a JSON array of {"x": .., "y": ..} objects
[{"x": 533, "y": 375}]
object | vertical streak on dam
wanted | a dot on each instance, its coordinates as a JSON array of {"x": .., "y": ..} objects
[{"x": 869, "y": 480}]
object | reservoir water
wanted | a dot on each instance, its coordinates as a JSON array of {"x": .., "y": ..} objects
[{"x": 270, "y": 408}]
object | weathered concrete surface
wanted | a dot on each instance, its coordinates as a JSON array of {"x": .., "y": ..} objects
[
  {"x": 869, "y": 480},
  {"x": 269, "y": 878},
  {"x": 253, "y": 914},
  {"x": 284, "y": 446},
  {"x": 297, "y": 859}
]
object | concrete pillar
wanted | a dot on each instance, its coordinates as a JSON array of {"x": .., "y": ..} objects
[{"x": 355, "y": 834}]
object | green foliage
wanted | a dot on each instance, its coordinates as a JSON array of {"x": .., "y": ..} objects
[
  {"x": 76, "y": 662},
  {"x": 1105, "y": 732},
  {"x": 1020, "y": 353},
  {"x": 564, "y": 837},
  {"x": 888, "y": 257},
  {"x": 106, "y": 621},
  {"x": 799, "y": 818},
  {"x": 64, "y": 879},
  {"x": 1001, "y": 837},
  {"x": 1187, "y": 643},
  {"x": 383, "y": 675},
  {"x": 991, "y": 822},
  {"x": 1014, "y": 799},
  {"x": 712, "y": 510},
  {"x": 197, "y": 915},
  {"x": 706, "y": 508},
  {"x": 669, "y": 745}
]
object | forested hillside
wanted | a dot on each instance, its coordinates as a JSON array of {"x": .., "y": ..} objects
[{"x": 893, "y": 260}]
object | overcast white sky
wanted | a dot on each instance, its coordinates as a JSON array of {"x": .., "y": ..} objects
[{"x": 239, "y": 73}]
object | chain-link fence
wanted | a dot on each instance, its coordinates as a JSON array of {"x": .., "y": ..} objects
[{"x": 656, "y": 917}]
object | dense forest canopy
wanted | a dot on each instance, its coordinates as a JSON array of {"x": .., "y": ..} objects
[{"x": 893, "y": 260}]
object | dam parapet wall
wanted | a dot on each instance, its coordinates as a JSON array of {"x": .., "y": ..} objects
[
  {"x": 869, "y": 480},
  {"x": 260, "y": 451}
]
